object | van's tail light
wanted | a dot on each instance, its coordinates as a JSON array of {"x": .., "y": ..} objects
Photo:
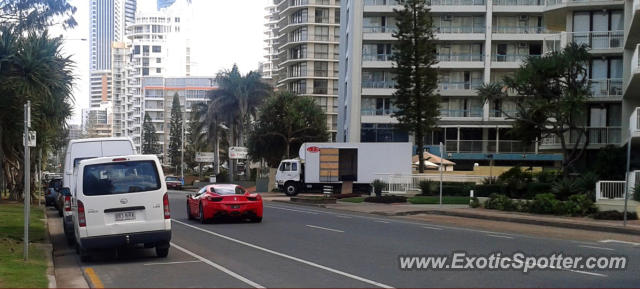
[
  {"x": 82, "y": 220},
  {"x": 67, "y": 203},
  {"x": 165, "y": 204}
]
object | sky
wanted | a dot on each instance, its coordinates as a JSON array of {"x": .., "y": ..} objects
[{"x": 224, "y": 32}]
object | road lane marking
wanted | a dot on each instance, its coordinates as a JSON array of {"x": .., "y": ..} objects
[
  {"x": 343, "y": 216},
  {"x": 432, "y": 228},
  {"x": 300, "y": 211},
  {"x": 499, "y": 236},
  {"x": 585, "y": 272},
  {"x": 172, "y": 263},
  {"x": 289, "y": 257},
  {"x": 219, "y": 267},
  {"x": 384, "y": 222},
  {"x": 594, "y": 247},
  {"x": 323, "y": 228},
  {"x": 621, "y": 242},
  {"x": 93, "y": 277}
]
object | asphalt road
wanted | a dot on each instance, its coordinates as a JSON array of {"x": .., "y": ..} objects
[{"x": 299, "y": 246}]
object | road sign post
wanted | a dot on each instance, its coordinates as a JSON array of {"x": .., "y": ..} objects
[{"x": 27, "y": 178}]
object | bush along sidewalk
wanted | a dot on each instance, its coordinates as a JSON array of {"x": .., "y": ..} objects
[{"x": 14, "y": 272}]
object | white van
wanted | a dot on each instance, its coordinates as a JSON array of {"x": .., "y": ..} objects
[
  {"x": 82, "y": 149},
  {"x": 120, "y": 201}
]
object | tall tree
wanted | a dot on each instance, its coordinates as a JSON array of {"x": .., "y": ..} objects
[
  {"x": 285, "y": 122},
  {"x": 551, "y": 100},
  {"x": 149, "y": 136},
  {"x": 416, "y": 78},
  {"x": 175, "y": 134},
  {"x": 34, "y": 15}
]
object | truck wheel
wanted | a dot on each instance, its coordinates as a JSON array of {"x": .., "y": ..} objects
[{"x": 291, "y": 189}]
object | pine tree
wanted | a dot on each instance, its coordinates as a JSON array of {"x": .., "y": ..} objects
[
  {"x": 416, "y": 79},
  {"x": 149, "y": 137},
  {"x": 175, "y": 133}
]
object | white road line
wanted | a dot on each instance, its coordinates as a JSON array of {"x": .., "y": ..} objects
[
  {"x": 219, "y": 267},
  {"x": 499, "y": 236},
  {"x": 323, "y": 228},
  {"x": 384, "y": 222},
  {"x": 289, "y": 257},
  {"x": 594, "y": 247},
  {"x": 585, "y": 272},
  {"x": 621, "y": 242},
  {"x": 172, "y": 263},
  {"x": 300, "y": 211},
  {"x": 432, "y": 228},
  {"x": 343, "y": 216}
]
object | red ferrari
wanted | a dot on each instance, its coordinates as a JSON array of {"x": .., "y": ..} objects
[{"x": 216, "y": 201}]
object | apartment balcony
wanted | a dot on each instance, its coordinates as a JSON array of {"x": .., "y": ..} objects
[
  {"x": 373, "y": 115},
  {"x": 379, "y": 33},
  {"x": 600, "y": 42},
  {"x": 460, "y": 33},
  {"x": 455, "y": 114},
  {"x": 377, "y": 60},
  {"x": 606, "y": 89},
  {"x": 634, "y": 123},
  {"x": 632, "y": 36},
  {"x": 441, "y": 6},
  {"x": 380, "y": 6},
  {"x": 520, "y": 6},
  {"x": 378, "y": 88},
  {"x": 633, "y": 84},
  {"x": 569, "y": 5},
  {"x": 488, "y": 146},
  {"x": 598, "y": 137},
  {"x": 463, "y": 88},
  {"x": 460, "y": 61},
  {"x": 495, "y": 114},
  {"x": 519, "y": 33},
  {"x": 509, "y": 61}
]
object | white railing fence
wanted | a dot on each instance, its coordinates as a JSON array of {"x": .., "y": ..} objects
[
  {"x": 610, "y": 190},
  {"x": 402, "y": 184}
]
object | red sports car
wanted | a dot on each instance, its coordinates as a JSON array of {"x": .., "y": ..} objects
[{"x": 215, "y": 201}]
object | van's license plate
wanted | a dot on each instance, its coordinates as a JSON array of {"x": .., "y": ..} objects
[{"x": 125, "y": 216}]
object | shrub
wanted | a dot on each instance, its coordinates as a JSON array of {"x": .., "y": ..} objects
[
  {"x": 544, "y": 204},
  {"x": 222, "y": 177},
  {"x": 378, "y": 186},
  {"x": 614, "y": 215},
  {"x": 499, "y": 202},
  {"x": 487, "y": 190},
  {"x": 344, "y": 196},
  {"x": 537, "y": 188},
  {"x": 548, "y": 176},
  {"x": 386, "y": 199},
  {"x": 475, "y": 202},
  {"x": 564, "y": 188},
  {"x": 636, "y": 193},
  {"x": 490, "y": 180},
  {"x": 427, "y": 187},
  {"x": 586, "y": 183},
  {"x": 579, "y": 205},
  {"x": 515, "y": 181}
]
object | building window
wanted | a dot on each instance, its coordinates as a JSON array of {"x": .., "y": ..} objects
[
  {"x": 145, "y": 71},
  {"x": 156, "y": 48},
  {"x": 321, "y": 69},
  {"x": 320, "y": 86},
  {"x": 158, "y": 70},
  {"x": 321, "y": 51},
  {"x": 322, "y": 15},
  {"x": 158, "y": 60},
  {"x": 382, "y": 132},
  {"x": 322, "y": 33}
]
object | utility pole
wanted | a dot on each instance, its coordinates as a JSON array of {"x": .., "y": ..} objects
[
  {"x": 626, "y": 182},
  {"x": 441, "y": 169},
  {"x": 27, "y": 178},
  {"x": 182, "y": 150}
]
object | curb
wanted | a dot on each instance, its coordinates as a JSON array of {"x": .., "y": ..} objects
[
  {"x": 48, "y": 247},
  {"x": 558, "y": 224}
]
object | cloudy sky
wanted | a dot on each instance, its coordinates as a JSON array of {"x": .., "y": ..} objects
[{"x": 225, "y": 32}]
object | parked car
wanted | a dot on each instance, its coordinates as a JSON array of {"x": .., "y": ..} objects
[
  {"x": 120, "y": 201},
  {"x": 173, "y": 183},
  {"x": 215, "y": 201},
  {"x": 64, "y": 211},
  {"x": 51, "y": 193}
]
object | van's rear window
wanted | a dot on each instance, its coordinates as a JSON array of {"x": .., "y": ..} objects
[{"x": 120, "y": 178}]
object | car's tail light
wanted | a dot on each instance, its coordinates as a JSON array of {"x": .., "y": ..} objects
[
  {"x": 214, "y": 199},
  {"x": 82, "y": 221},
  {"x": 67, "y": 203},
  {"x": 253, "y": 197},
  {"x": 165, "y": 204}
]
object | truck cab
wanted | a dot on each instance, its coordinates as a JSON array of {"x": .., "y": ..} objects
[{"x": 289, "y": 176}]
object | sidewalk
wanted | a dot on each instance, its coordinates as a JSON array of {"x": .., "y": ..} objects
[
  {"x": 464, "y": 211},
  {"x": 66, "y": 267}
]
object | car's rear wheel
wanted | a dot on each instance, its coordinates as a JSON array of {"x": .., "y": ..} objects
[
  {"x": 189, "y": 216},
  {"x": 201, "y": 212},
  {"x": 162, "y": 252},
  {"x": 291, "y": 189},
  {"x": 256, "y": 220}
]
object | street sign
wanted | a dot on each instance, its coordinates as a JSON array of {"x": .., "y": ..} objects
[
  {"x": 203, "y": 157},
  {"x": 238, "y": 153},
  {"x": 32, "y": 138}
]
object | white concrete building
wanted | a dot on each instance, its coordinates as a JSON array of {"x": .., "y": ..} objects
[
  {"x": 480, "y": 41},
  {"x": 270, "y": 40}
]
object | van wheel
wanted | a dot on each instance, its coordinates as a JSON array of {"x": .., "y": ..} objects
[
  {"x": 189, "y": 216},
  {"x": 201, "y": 214},
  {"x": 162, "y": 252},
  {"x": 290, "y": 189}
]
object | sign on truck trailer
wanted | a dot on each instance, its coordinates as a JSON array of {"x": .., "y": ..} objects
[{"x": 322, "y": 164}]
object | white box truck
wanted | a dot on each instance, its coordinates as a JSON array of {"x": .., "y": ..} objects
[{"x": 330, "y": 164}]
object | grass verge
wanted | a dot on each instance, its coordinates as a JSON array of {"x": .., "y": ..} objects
[
  {"x": 353, "y": 200},
  {"x": 436, "y": 200},
  {"x": 14, "y": 272}
]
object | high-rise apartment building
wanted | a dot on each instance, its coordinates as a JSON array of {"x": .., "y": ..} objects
[
  {"x": 165, "y": 3},
  {"x": 482, "y": 41},
  {"x": 307, "y": 39},
  {"x": 270, "y": 41},
  {"x": 158, "y": 100}
]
